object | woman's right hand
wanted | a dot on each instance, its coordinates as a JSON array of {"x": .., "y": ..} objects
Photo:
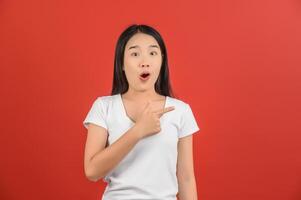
[{"x": 148, "y": 122}]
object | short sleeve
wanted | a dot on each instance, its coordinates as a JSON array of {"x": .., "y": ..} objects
[
  {"x": 96, "y": 114},
  {"x": 188, "y": 124}
]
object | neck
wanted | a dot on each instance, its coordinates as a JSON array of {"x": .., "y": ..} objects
[{"x": 141, "y": 96}]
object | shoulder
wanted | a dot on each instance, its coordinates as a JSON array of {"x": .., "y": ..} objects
[
  {"x": 106, "y": 99},
  {"x": 179, "y": 104},
  {"x": 103, "y": 102},
  {"x": 182, "y": 109}
]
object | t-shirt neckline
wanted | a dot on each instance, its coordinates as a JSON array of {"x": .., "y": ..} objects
[{"x": 124, "y": 113}]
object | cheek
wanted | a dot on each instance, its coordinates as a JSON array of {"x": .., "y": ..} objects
[
  {"x": 130, "y": 74},
  {"x": 158, "y": 62},
  {"x": 130, "y": 71},
  {"x": 128, "y": 62},
  {"x": 130, "y": 66},
  {"x": 157, "y": 66}
]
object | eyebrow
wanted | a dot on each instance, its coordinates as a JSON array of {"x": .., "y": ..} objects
[{"x": 136, "y": 46}]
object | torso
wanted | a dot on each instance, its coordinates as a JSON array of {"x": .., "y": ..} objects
[{"x": 133, "y": 109}]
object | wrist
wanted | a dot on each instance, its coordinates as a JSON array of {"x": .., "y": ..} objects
[{"x": 137, "y": 131}]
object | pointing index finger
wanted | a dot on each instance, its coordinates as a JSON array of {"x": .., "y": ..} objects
[{"x": 165, "y": 110}]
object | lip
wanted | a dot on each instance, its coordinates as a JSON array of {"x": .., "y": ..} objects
[
  {"x": 144, "y": 72},
  {"x": 146, "y": 78}
]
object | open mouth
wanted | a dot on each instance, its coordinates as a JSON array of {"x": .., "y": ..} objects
[{"x": 144, "y": 75}]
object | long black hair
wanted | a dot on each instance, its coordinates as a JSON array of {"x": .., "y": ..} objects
[{"x": 120, "y": 83}]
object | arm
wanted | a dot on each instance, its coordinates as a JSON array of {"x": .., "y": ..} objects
[
  {"x": 100, "y": 160},
  {"x": 185, "y": 170}
]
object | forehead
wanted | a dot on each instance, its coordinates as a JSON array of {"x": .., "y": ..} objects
[{"x": 142, "y": 40}]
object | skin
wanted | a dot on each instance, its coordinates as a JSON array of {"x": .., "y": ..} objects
[
  {"x": 99, "y": 159},
  {"x": 141, "y": 54},
  {"x": 185, "y": 170}
]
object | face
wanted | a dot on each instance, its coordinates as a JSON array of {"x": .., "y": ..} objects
[{"x": 142, "y": 54}]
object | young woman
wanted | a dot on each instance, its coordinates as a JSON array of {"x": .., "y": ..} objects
[{"x": 140, "y": 137}]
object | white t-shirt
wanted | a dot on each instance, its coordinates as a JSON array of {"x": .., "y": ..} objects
[{"x": 148, "y": 171}]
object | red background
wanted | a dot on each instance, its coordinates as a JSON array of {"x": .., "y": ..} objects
[{"x": 237, "y": 63}]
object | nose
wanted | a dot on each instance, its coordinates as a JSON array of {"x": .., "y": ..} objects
[{"x": 144, "y": 65}]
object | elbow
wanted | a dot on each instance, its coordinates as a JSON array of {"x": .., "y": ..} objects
[
  {"x": 91, "y": 175},
  {"x": 91, "y": 178}
]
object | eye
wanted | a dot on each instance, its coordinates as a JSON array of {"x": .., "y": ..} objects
[
  {"x": 154, "y": 53},
  {"x": 134, "y": 54}
]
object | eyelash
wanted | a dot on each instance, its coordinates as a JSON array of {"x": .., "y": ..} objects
[{"x": 151, "y": 52}]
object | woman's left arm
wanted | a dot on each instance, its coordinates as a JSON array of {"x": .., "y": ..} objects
[{"x": 185, "y": 170}]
